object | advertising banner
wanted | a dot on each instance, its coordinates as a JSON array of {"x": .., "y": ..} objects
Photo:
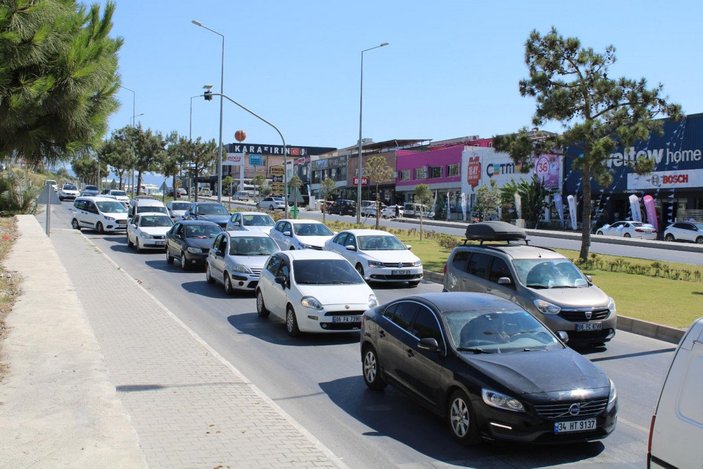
[
  {"x": 559, "y": 206},
  {"x": 518, "y": 205},
  {"x": 635, "y": 208},
  {"x": 463, "y": 204},
  {"x": 651, "y": 211},
  {"x": 572, "y": 210},
  {"x": 666, "y": 179},
  {"x": 233, "y": 159},
  {"x": 548, "y": 169}
]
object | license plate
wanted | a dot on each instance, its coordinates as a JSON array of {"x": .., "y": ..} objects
[
  {"x": 400, "y": 272},
  {"x": 160, "y": 243},
  {"x": 589, "y": 326},
  {"x": 346, "y": 318},
  {"x": 575, "y": 426}
]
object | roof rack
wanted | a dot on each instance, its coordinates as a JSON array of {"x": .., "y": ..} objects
[{"x": 494, "y": 231}]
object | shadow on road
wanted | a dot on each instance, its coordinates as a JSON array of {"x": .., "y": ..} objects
[
  {"x": 273, "y": 331},
  {"x": 391, "y": 414}
]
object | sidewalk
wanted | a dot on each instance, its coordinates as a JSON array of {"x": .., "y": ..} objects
[{"x": 103, "y": 379}]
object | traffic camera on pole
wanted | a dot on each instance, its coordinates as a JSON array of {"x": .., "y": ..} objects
[{"x": 207, "y": 94}]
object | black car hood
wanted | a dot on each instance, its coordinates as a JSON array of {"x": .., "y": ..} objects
[
  {"x": 540, "y": 372},
  {"x": 219, "y": 219},
  {"x": 202, "y": 243}
]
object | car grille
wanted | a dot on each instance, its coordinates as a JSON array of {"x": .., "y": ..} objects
[
  {"x": 159, "y": 236},
  {"x": 256, "y": 271},
  {"x": 580, "y": 316},
  {"x": 398, "y": 264},
  {"x": 121, "y": 222},
  {"x": 561, "y": 410},
  {"x": 343, "y": 313}
]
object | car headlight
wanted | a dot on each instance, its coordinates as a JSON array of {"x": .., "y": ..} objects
[
  {"x": 611, "y": 306},
  {"x": 109, "y": 218},
  {"x": 311, "y": 302},
  {"x": 375, "y": 264},
  {"x": 613, "y": 399},
  {"x": 145, "y": 235},
  {"x": 501, "y": 401},
  {"x": 417, "y": 263},
  {"x": 241, "y": 268},
  {"x": 373, "y": 301},
  {"x": 194, "y": 250},
  {"x": 545, "y": 307}
]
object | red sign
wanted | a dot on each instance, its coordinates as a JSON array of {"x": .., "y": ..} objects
[
  {"x": 474, "y": 173},
  {"x": 364, "y": 181}
]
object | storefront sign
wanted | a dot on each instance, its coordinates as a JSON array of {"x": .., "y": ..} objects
[
  {"x": 665, "y": 180},
  {"x": 474, "y": 175}
]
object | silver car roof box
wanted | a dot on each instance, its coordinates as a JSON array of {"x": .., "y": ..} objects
[{"x": 495, "y": 231}]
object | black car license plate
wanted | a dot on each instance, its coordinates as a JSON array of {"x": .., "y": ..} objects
[{"x": 589, "y": 326}]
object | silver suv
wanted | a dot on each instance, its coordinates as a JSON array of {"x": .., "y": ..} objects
[{"x": 541, "y": 280}]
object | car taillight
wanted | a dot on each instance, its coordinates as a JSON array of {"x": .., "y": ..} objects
[
  {"x": 640, "y": 230},
  {"x": 649, "y": 442}
]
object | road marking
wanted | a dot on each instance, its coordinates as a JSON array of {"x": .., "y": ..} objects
[{"x": 633, "y": 425}]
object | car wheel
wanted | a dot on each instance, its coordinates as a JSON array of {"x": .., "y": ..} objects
[
  {"x": 100, "y": 228},
  {"x": 372, "y": 369},
  {"x": 599, "y": 232},
  {"x": 626, "y": 235},
  {"x": 129, "y": 242},
  {"x": 272, "y": 208},
  {"x": 360, "y": 269},
  {"x": 260, "y": 306},
  {"x": 139, "y": 248},
  {"x": 229, "y": 289},
  {"x": 208, "y": 277},
  {"x": 461, "y": 418},
  {"x": 169, "y": 257},
  {"x": 670, "y": 237},
  {"x": 75, "y": 225},
  {"x": 60, "y": 199},
  {"x": 184, "y": 261},
  {"x": 291, "y": 322},
  {"x": 699, "y": 240}
]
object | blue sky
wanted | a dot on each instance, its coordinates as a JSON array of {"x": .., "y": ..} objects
[{"x": 451, "y": 69}]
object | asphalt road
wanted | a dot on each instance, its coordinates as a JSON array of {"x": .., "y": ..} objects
[{"x": 317, "y": 379}]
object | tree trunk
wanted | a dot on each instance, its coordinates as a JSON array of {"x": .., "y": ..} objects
[
  {"x": 378, "y": 206},
  {"x": 139, "y": 181},
  {"x": 586, "y": 213},
  {"x": 173, "y": 185},
  {"x": 420, "y": 225}
]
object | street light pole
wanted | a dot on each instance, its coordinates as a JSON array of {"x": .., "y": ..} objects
[
  {"x": 361, "y": 105},
  {"x": 134, "y": 118},
  {"x": 222, "y": 91}
]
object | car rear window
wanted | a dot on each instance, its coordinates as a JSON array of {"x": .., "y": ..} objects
[{"x": 325, "y": 272}]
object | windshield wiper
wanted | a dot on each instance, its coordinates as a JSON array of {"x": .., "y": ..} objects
[
  {"x": 476, "y": 350},
  {"x": 536, "y": 285}
]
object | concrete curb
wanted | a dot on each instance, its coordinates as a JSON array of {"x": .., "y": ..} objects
[{"x": 635, "y": 326}]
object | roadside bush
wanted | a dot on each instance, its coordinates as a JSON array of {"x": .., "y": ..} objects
[
  {"x": 19, "y": 190},
  {"x": 655, "y": 269}
]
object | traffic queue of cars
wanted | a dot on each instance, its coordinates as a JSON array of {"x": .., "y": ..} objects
[{"x": 489, "y": 366}]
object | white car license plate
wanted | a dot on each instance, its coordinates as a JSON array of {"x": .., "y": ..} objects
[
  {"x": 575, "y": 426},
  {"x": 589, "y": 326},
  {"x": 346, "y": 318},
  {"x": 160, "y": 242},
  {"x": 400, "y": 272}
]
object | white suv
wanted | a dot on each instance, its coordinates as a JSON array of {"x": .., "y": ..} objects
[
  {"x": 68, "y": 191},
  {"x": 102, "y": 214}
]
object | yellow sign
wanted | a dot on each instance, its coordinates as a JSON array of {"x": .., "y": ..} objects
[{"x": 276, "y": 170}]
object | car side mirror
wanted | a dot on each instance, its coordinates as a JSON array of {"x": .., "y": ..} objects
[
  {"x": 287, "y": 233},
  {"x": 236, "y": 223},
  {"x": 350, "y": 247},
  {"x": 429, "y": 344},
  {"x": 504, "y": 281},
  {"x": 409, "y": 246},
  {"x": 563, "y": 336},
  {"x": 589, "y": 278}
]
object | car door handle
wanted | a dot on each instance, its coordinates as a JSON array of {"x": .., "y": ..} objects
[{"x": 410, "y": 353}]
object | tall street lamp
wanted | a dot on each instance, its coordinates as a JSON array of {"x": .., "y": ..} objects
[
  {"x": 222, "y": 91},
  {"x": 134, "y": 118},
  {"x": 361, "y": 105}
]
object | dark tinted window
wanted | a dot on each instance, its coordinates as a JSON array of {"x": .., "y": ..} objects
[
  {"x": 341, "y": 239},
  {"x": 460, "y": 260},
  {"x": 404, "y": 314},
  {"x": 273, "y": 264},
  {"x": 499, "y": 269},
  {"x": 478, "y": 264},
  {"x": 426, "y": 325}
]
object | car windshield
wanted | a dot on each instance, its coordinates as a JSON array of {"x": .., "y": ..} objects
[
  {"x": 380, "y": 243},
  {"x": 311, "y": 229},
  {"x": 497, "y": 331},
  {"x": 252, "y": 246},
  {"x": 70, "y": 187},
  {"x": 91, "y": 188},
  {"x": 699, "y": 226},
  {"x": 111, "y": 207},
  {"x": 155, "y": 220},
  {"x": 325, "y": 272},
  {"x": 118, "y": 193},
  {"x": 202, "y": 231},
  {"x": 151, "y": 208},
  {"x": 549, "y": 273},
  {"x": 211, "y": 209},
  {"x": 257, "y": 220},
  {"x": 180, "y": 205}
]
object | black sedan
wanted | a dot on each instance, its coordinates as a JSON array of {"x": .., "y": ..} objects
[
  {"x": 190, "y": 241},
  {"x": 488, "y": 367}
]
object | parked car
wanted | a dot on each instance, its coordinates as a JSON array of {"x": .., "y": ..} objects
[
  {"x": 300, "y": 234},
  {"x": 313, "y": 291},
  {"x": 68, "y": 191},
  {"x": 148, "y": 230},
  {"x": 119, "y": 195},
  {"x": 392, "y": 211},
  {"x": 343, "y": 207},
  {"x": 628, "y": 229},
  {"x": 237, "y": 258},
  {"x": 210, "y": 211},
  {"x": 541, "y": 280},
  {"x": 189, "y": 241},
  {"x": 271, "y": 203},
  {"x": 145, "y": 204},
  {"x": 676, "y": 429},
  {"x": 101, "y": 214},
  {"x": 181, "y": 192},
  {"x": 177, "y": 209},
  {"x": 413, "y": 210},
  {"x": 369, "y": 210},
  {"x": 684, "y": 231},
  {"x": 250, "y": 221},
  {"x": 488, "y": 367},
  {"x": 90, "y": 191},
  {"x": 378, "y": 256}
]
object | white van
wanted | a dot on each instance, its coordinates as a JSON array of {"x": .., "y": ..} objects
[
  {"x": 102, "y": 214},
  {"x": 676, "y": 431},
  {"x": 146, "y": 204}
]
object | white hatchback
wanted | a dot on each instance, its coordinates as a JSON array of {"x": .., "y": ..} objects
[
  {"x": 148, "y": 231},
  {"x": 378, "y": 256},
  {"x": 250, "y": 221},
  {"x": 300, "y": 234},
  {"x": 313, "y": 291}
]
